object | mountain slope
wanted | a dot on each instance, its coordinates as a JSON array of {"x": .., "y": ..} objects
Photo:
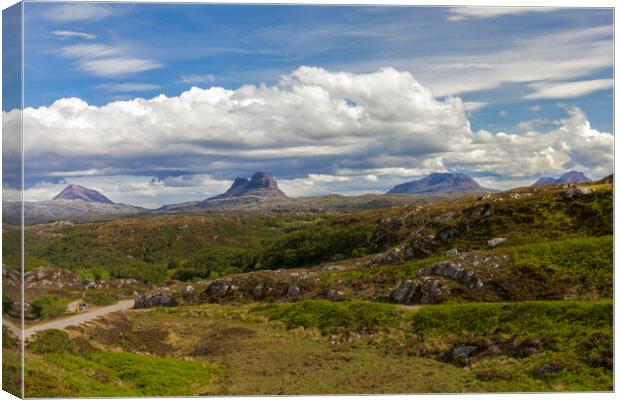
[{"x": 440, "y": 183}]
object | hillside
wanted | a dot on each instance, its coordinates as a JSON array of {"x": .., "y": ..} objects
[{"x": 508, "y": 291}]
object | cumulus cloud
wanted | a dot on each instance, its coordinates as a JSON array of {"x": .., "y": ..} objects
[{"x": 317, "y": 131}]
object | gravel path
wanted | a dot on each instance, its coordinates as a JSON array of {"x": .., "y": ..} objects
[{"x": 72, "y": 320}]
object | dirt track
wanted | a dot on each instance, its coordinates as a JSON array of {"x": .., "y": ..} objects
[{"x": 72, "y": 320}]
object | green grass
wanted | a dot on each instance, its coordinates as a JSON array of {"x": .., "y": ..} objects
[
  {"x": 332, "y": 316},
  {"x": 61, "y": 366},
  {"x": 586, "y": 261},
  {"x": 519, "y": 338}
]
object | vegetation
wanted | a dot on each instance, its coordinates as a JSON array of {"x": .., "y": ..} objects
[
  {"x": 332, "y": 316},
  {"x": 7, "y": 304},
  {"x": 48, "y": 307},
  {"x": 63, "y": 371}
]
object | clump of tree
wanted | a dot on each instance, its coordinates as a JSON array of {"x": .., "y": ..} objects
[{"x": 315, "y": 245}]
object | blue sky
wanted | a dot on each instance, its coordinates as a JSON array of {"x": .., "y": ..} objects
[{"x": 514, "y": 70}]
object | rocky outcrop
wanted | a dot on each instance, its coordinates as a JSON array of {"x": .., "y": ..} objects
[
  {"x": 424, "y": 290},
  {"x": 454, "y": 271},
  {"x": 155, "y": 299}
]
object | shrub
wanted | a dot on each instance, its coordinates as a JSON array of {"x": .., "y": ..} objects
[
  {"x": 7, "y": 304},
  {"x": 48, "y": 307}
]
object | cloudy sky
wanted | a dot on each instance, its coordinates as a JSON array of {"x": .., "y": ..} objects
[{"x": 155, "y": 104}]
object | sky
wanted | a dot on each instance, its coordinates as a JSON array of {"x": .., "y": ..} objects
[{"x": 160, "y": 103}]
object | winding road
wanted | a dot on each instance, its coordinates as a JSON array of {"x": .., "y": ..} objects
[{"x": 72, "y": 320}]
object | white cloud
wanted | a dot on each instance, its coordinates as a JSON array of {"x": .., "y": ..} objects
[
  {"x": 560, "y": 56},
  {"x": 74, "y": 34},
  {"x": 127, "y": 87},
  {"x": 198, "y": 78},
  {"x": 564, "y": 90},
  {"x": 104, "y": 60},
  {"x": 316, "y": 130},
  {"x": 475, "y": 105},
  {"x": 81, "y": 12},
  {"x": 535, "y": 108},
  {"x": 472, "y": 12},
  {"x": 88, "y": 51},
  {"x": 117, "y": 66}
]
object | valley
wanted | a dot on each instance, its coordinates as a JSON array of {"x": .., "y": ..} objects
[{"x": 458, "y": 292}]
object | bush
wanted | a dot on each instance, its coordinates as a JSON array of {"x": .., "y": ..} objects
[
  {"x": 48, "y": 307},
  {"x": 7, "y": 304}
]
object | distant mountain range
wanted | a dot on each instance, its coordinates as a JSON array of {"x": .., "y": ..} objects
[
  {"x": 569, "y": 177},
  {"x": 440, "y": 183},
  {"x": 81, "y": 204}
]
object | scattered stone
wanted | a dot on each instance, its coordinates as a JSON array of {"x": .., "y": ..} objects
[
  {"x": 496, "y": 241},
  {"x": 452, "y": 252}
]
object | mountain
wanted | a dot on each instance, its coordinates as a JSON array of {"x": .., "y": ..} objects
[
  {"x": 261, "y": 185},
  {"x": 75, "y": 203},
  {"x": 77, "y": 192},
  {"x": 568, "y": 177},
  {"x": 260, "y": 191},
  {"x": 440, "y": 183}
]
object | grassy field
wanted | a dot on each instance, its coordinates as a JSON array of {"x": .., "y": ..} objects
[{"x": 320, "y": 347}]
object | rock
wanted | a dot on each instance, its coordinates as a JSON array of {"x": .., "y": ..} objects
[
  {"x": 453, "y": 271},
  {"x": 577, "y": 191},
  {"x": 548, "y": 369},
  {"x": 448, "y": 235},
  {"x": 334, "y": 268},
  {"x": 461, "y": 352},
  {"x": 292, "y": 292},
  {"x": 218, "y": 288},
  {"x": 258, "y": 291},
  {"x": 419, "y": 291},
  {"x": 333, "y": 294},
  {"x": 155, "y": 299},
  {"x": 188, "y": 292},
  {"x": 452, "y": 252},
  {"x": 496, "y": 241}
]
